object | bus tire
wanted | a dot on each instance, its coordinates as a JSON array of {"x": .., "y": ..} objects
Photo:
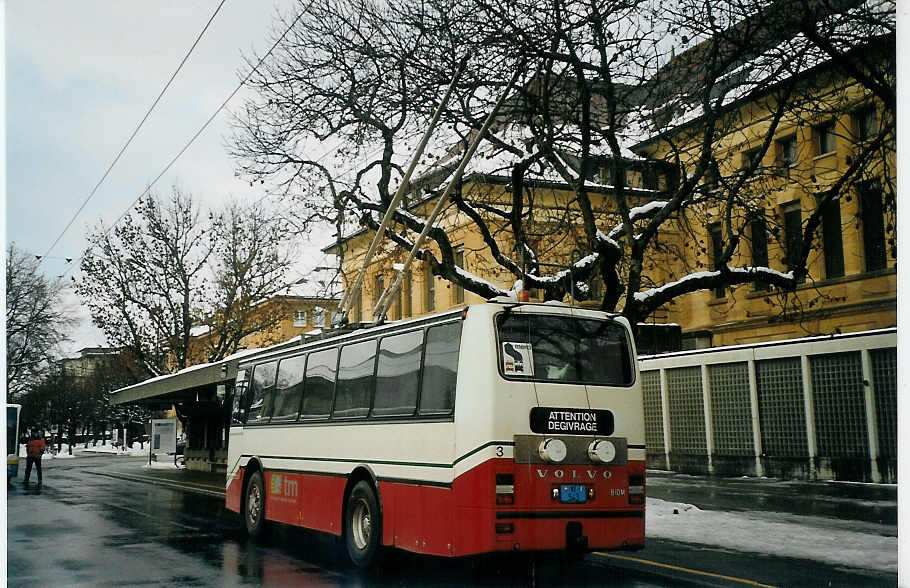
[
  {"x": 254, "y": 507},
  {"x": 363, "y": 526}
]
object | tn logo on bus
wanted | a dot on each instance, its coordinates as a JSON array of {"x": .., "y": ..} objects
[
  {"x": 575, "y": 474},
  {"x": 285, "y": 487}
]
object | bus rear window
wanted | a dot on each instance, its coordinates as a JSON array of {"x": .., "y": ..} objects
[{"x": 560, "y": 348}]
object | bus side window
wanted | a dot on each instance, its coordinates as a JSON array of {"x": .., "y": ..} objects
[
  {"x": 440, "y": 369},
  {"x": 262, "y": 387},
  {"x": 398, "y": 374},
  {"x": 288, "y": 389},
  {"x": 355, "y": 379},
  {"x": 319, "y": 388}
]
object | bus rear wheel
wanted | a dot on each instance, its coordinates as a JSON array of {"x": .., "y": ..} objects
[
  {"x": 363, "y": 526},
  {"x": 254, "y": 507}
]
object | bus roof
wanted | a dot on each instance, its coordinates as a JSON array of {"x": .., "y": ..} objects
[{"x": 356, "y": 331}]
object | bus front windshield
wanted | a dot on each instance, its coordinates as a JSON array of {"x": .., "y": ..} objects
[{"x": 566, "y": 349}]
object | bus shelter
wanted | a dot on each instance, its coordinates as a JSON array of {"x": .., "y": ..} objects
[{"x": 202, "y": 396}]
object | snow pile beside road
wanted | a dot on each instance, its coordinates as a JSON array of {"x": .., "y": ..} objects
[
  {"x": 136, "y": 449},
  {"x": 802, "y": 537}
]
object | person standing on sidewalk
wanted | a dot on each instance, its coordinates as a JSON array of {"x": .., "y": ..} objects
[{"x": 34, "y": 449}]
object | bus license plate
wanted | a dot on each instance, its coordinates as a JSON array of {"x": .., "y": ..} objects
[{"x": 572, "y": 493}]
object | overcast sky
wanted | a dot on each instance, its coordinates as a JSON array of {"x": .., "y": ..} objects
[{"x": 79, "y": 78}]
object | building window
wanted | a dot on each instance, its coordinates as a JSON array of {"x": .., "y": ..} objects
[
  {"x": 710, "y": 177},
  {"x": 405, "y": 294},
  {"x": 319, "y": 316},
  {"x": 395, "y": 307},
  {"x": 299, "y": 318},
  {"x": 832, "y": 240},
  {"x": 759, "y": 248},
  {"x": 380, "y": 288},
  {"x": 459, "y": 262},
  {"x": 793, "y": 235},
  {"x": 866, "y": 124},
  {"x": 786, "y": 151},
  {"x": 717, "y": 253},
  {"x": 696, "y": 340},
  {"x": 873, "y": 221},
  {"x": 430, "y": 285},
  {"x": 751, "y": 157},
  {"x": 650, "y": 179},
  {"x": 827, "y": 139},
  {"x": 597, "y": 287},
  {"x": 358, "y": 307}
]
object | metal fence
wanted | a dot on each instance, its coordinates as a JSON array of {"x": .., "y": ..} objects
[{"x": 814, "y": 408}]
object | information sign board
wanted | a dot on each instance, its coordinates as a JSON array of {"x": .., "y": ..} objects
[{"x": 164, "y": 435}]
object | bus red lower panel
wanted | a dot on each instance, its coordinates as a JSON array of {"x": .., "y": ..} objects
[
  {"x": 417, "y": 518},
  {"x": 465, "y": 519},
  {"x": 599, "y": 533},
  {"x": 234, "y": 492},
  {"x": 307, "y": 500},
  {"x": 531, "y": 519}
]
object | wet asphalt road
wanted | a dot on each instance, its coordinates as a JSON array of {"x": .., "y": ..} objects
[{"x": 86, "y": 527}]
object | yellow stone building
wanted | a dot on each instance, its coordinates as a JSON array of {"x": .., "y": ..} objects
[
  {"x": 285, "y": 317},
  {"x": 851, "y": 284},
  {"x": 422, "y": 293},
  {"x": 852, "y": 281}
]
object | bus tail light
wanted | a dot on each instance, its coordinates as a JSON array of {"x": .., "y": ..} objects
[
  {"x": 505, "y": 528},
  {"x": 552, "y": 450},
  {"x": 636, "y": 489},
  {"x": 601, "y": 451},
  {"x": 505, "y": 489}
]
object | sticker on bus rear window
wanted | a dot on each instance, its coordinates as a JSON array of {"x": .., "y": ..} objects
[{"x": 517, "y": 359}]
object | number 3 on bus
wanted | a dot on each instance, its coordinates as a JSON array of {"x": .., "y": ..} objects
[{"x": 498, "y": 427}]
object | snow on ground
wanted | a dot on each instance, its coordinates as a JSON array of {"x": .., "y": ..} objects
[
  {"x": 136, "y": 449},
  {"x": 796, "y": 536},
  {"x": 64, "y": 452}
]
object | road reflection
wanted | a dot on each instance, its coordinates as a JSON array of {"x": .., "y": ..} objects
[
  {"x": 293, "y": 557},
  {"x": 156, "y": 523}
]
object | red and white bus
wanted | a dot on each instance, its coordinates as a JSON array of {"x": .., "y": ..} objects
[{"x": 501, "y": 426}]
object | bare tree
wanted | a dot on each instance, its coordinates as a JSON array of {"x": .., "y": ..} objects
[
  {"x": 163, "y": 272},
  {"x": 252, "y": 255},
  {"x": 36, "y": 321},
  {"x": 141, "y": 280},
  {"x": 603, "y": 98}
]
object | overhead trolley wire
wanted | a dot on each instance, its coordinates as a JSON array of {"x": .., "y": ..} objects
[
  {"x": 134, "y": 133},
  {"x": 201, "y": 129}
]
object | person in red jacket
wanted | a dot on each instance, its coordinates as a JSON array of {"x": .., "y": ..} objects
[{"x": 33, "y": 451}]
